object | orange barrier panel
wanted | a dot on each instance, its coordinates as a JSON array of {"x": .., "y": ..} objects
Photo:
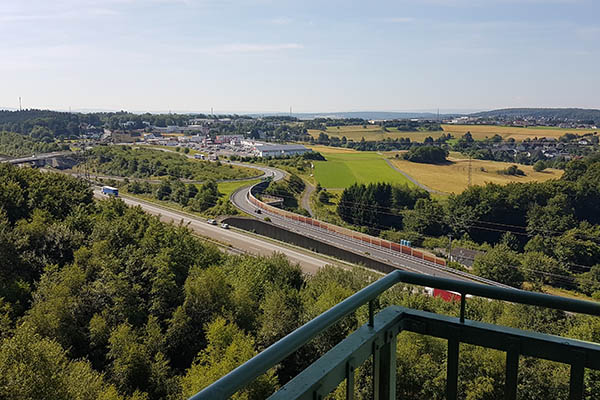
[{"x": 346, "y": 232}]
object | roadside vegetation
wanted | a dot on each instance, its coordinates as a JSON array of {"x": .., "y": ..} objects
[
  {"x": 205, "y": 199},
  {"x": 102, "y": 301},
  {"x": 142, "y": 162},
  {"x": 16, "y": 145}
]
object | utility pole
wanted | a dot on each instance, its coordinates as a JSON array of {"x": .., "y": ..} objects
[
  {"x": 470, "y": 180},
  {"x": 449, "y": 247},
  {"x": 20, "y": 105}
]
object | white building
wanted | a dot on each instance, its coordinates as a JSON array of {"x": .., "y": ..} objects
[{"x": 280, "y": 150}]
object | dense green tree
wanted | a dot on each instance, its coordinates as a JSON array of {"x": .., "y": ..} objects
[
  {"x": 33, "y": 367},
  {"x": 227, "y": 348},
  {"x": 500, "y": 264},
  {"x": 427, "y": 154}
]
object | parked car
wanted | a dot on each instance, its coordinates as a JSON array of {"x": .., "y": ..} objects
[
  {"x": 212, "y": 222},
  {"x": 224, "y": 225}
]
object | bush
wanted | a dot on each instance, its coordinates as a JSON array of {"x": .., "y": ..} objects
[
  {"x": 539, "y": 166},
  {"x": 427, "y": 154},
  {"x": 512, "y": 170}
]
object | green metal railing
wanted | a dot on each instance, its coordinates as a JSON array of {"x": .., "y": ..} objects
[{"x": 377, "y": 339}]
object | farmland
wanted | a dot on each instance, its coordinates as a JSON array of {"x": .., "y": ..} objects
[
  {"x": 345, "y": 167},
  {"x": 479, "y": 132},
  {"x": 453, "y": 177}
]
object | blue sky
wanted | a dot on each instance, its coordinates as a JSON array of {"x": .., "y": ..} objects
[{"x": 260, "y": 55}]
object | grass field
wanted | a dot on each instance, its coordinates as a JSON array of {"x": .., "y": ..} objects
[
  {"x": 343, "y": 168},
  {"x": 479, "y": 132},
  {"x": 227, "y": 188},
  {"x": 453, "y": 177}
]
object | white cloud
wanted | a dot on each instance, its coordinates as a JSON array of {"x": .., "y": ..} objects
[
  {"x": 75, "y": 14},
  {"x": 248, "y": 48},
  {"x": 281, "y": 21},
  {"x": 399, "y": 20},
  {"x": 589, "y": 33}
]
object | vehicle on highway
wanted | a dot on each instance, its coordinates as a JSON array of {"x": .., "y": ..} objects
[
  {"x": 212, "y": 221},
  {"x": 110, "y": 191},
  {"x": 224, "y": 225},
  {"x": 258, "y": 211}
]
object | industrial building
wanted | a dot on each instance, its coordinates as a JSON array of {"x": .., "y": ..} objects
[{"x": 280, "y": 150}]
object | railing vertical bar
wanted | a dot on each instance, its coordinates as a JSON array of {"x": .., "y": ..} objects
[
  {"x": 576, "y": 380},
  {"x": 512, "y": 372},
  {"x": 350, "y": 380},
  {"x": 371, "y": 313},
  {"x": 452, "y": 369},
  {"x": 388, "y": 368},
  {"x": 463, "y": 301},
  {"x": 376, "y": 369}
]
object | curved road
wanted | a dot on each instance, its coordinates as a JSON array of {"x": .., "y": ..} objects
[
  {"x": 240, "y": 199},
  {"x": 305, "y": 201}
]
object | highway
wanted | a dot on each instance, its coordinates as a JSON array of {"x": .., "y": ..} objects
[
  {"x": 240, "y": 199},
  {"x": 309, "y": 262}
]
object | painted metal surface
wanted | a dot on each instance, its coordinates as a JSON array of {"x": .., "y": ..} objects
[{"x": 515, "y": 342}]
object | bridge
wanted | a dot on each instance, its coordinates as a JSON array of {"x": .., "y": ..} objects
[
  {"x": 38, "y": 160},
  {"x": 376, "y": 340}
]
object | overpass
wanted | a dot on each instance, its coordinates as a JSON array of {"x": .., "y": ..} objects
[{"x": 38, "y": 160}]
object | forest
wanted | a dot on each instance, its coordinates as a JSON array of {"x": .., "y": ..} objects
[
  {"x": 102, "y": 301},
  {"x": 140, "y": 162}
]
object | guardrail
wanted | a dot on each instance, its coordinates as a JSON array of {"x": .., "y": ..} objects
[
  {"x": 349, "y": 233},
  {"x": 377, "y": 339}
]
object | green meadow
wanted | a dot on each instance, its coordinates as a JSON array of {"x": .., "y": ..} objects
[{"x": 342, "y": 169}]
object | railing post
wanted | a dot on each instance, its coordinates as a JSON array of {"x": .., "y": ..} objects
[
  {"x": 512, "y": 371},
  {"x": 452, "y": 367},
  {"x": 376, "y": 369},
  {"x": 371, "y": 313},
  {"x": 350, "y": 379},
  {"x": 576, "y": 380},
  {"x": 463, "y": 300},
  {"x": 387, "y": 370}
]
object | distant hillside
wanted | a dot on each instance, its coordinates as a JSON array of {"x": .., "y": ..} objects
[
  {"x": 572, "y": 114},
  {"x": 377, "y": 115}
]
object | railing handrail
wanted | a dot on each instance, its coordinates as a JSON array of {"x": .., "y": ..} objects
[{"x": 240, "y": 377}]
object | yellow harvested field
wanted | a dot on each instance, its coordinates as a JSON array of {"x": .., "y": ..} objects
[
  {"x": 370, "y": 133},
  {"x": 509, "y": 132},
  {"x": 332, "y": 150},
  {"x": 375, "y": 132},
  {"x": 453, "y": 177}
]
